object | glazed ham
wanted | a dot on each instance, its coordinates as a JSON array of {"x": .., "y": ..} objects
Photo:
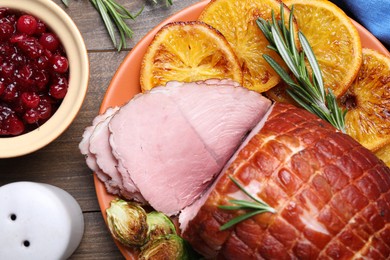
[
  {"x": 331, "y": 196},
  {"x": 174, "y": 140}
]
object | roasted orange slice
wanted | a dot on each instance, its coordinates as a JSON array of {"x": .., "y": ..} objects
[
  {"x": 236, "y": 20},
  {"x": 368, "y": 102},
  {"x": 384, "y": 154},
  {"x": 188, "y": 51},
  {"x": 334, "y": 39}
]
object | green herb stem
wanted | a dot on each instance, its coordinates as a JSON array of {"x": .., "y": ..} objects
[
  {"x": 114, "y": 17},
  {"x": 308, "y": 89},
  {"x": 257, "y": 206}
]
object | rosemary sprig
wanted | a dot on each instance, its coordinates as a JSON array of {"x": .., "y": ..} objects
[
  {"x": 167, "y": 2},
  {"x": 256, "y": 207},
  {"x": 308, "y": 90},
  {"x": 114, "y": 16}
]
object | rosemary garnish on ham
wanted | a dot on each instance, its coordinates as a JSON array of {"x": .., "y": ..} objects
[
  {"x": 257, "y": 206},
  {"x": 308, "y": 90}
]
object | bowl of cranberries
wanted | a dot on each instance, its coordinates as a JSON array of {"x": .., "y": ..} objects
[{"x": 44, "y": 72}]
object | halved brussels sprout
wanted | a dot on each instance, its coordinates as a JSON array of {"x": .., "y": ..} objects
[
  {"x": 159, "y": 225},
  {"x": 127, "y": 222},
  {"x": 170, "y": 247}
]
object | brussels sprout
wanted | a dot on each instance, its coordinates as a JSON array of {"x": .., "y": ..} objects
[
  {"x": 170, "y": 247},
  {"x": 159, "y": 225},
  {"x": 127, "y": 222}
]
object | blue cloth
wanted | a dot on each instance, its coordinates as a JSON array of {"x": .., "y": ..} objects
[{"x": 374, "y": 15}]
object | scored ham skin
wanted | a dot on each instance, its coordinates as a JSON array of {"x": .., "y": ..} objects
[
  {"x": 331, "y": 196},
  {"x": 171, "y": 150}
]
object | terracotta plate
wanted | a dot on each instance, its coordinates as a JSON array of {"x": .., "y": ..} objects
[{"x": 125, "y": 83}]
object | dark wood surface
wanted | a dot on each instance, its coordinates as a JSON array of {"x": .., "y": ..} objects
[{"x": 60, "y": 163}]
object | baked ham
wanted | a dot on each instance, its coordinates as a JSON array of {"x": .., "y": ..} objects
[
  {"x": 331, "y": 196},
  {"x": 177, "y": 145}
]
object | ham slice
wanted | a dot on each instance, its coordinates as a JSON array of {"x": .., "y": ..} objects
[
  {"x": 99, "y": 147},
  {"x": 90, "y": 158},
  {"x": 174, "y": 140},
  {"x": 331, "y": 196}
]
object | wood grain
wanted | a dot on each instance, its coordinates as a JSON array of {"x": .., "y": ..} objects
[{"x": 60, "y": 163}]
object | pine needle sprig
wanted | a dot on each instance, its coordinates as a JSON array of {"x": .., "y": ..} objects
[
  {"x": 257, "y": 206},
  {"x": 308, "y": 89}
]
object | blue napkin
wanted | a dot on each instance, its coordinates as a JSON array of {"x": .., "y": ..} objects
[{"x": 374, "y": 15}]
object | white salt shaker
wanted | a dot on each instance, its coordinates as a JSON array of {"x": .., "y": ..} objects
[{"x": 38, "y": 221}]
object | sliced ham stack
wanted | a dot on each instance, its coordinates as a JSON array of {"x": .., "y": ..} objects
[
  {"x": 170, "y": 143},
  {"x": 175, "y": 146}
]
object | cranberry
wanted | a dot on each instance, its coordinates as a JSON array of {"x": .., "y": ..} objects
[
  {"x": 10, "y": 93},
  {"x": 6, "y": 30},
  {"x": 18, "y": 58},
  {"x": 7, "y": 70},
  {"x": 41, "y": 79},
  {"x": 31, "y": 116},
  {"x": 27, "y": 24},
  {"x": 31, "y": 47},
  {"x": 30, "y": 99},
  {"x": 42, "y": 62},
  {"x": 49, "y": 41},
  {"x": 23, "y": 76},
  {"x": 44, "y": 109},
  {"x": 41, "y": 27},
  {"x": 7, "y": 50},
  {"x": 10, "y": 124},
  {"x": 60, "y": 64},
  {"x": 58, "y": 90}
]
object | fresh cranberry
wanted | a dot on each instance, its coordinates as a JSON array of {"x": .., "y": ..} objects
[
  {"x": 59, "y": 64},
  {"x": 7, "y": 50},
  {"x": 31, "y": 116},
  {"x": 42, "y": 62},
  {"x": 10, "y": 93},
  {"x": 30, "y": 99},
  {"x": 10, "y": 124},
  {"x": 7, "y": 70},
  {"x": 18, "y": 58},
  {"x": 27, "y": 24},
  {"x": 44, "y": 109},
  {"x": 41, "y": 27},
  {"x": 58, "y": 91},
  {"x": 49, "y": 41},
  {"x": 24, "y": 76},
  {"x": 18, "y": 107},
  {"x": 41, "y": 79},
  {"x": 6, "y": 30},
  {"x": 31, "y": 47},
  {"x": 18, "y": 38}
]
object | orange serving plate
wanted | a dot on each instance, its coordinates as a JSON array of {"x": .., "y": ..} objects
[{"x": 125, "y": 84}]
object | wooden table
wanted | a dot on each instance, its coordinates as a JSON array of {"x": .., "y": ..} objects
[{"x": 60, "y": 163}]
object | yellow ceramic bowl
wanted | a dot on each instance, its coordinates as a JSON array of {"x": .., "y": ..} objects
[{"x": 59, "y": 22}]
